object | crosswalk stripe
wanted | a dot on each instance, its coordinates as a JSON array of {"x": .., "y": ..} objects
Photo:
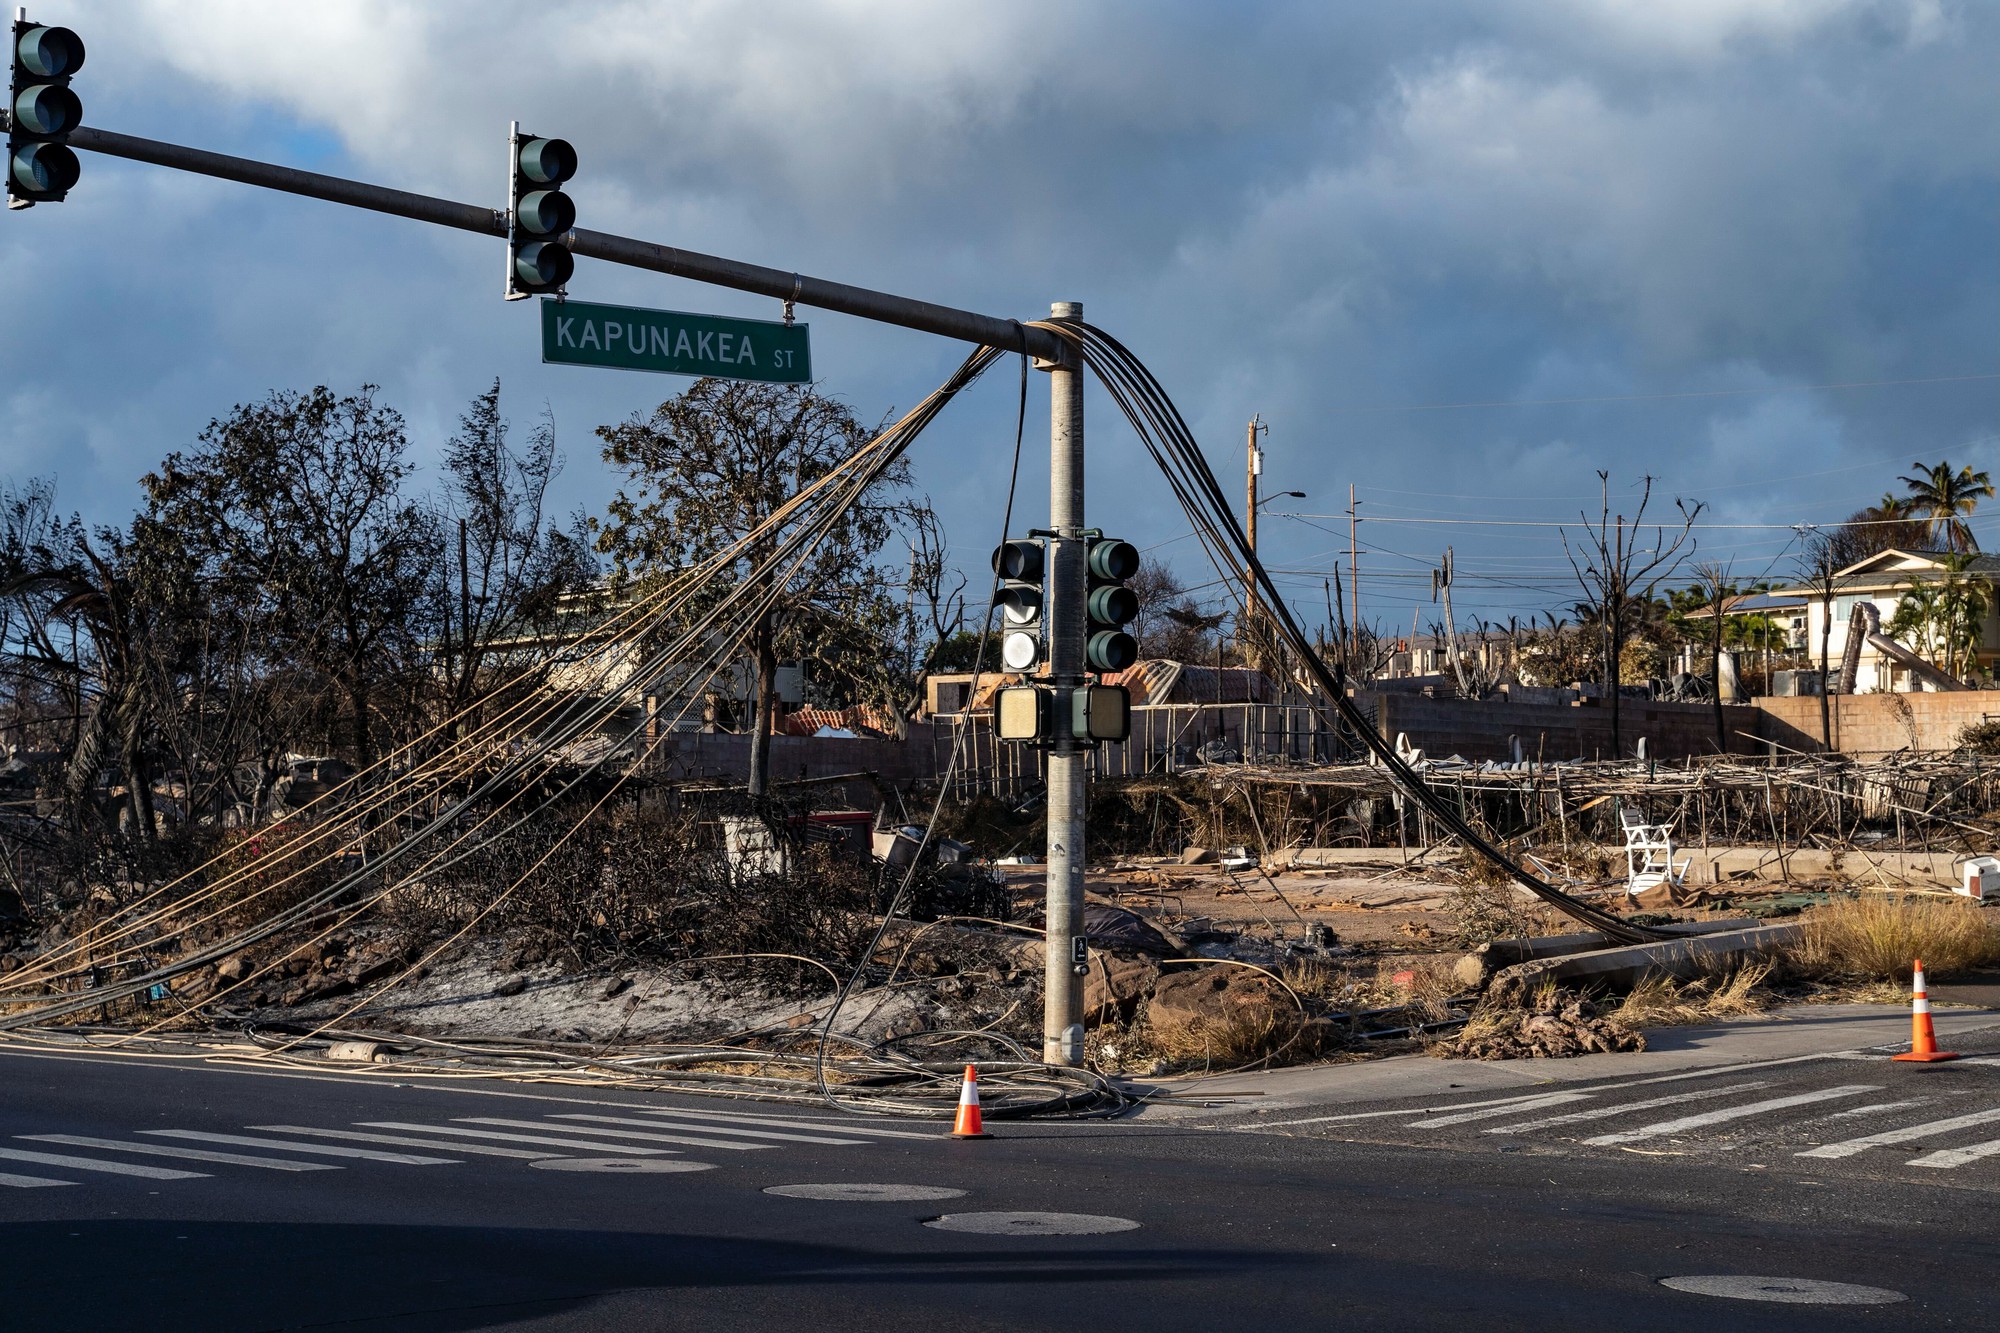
[
  {"x": 1602, "y": 1112},
  {"x": 1729, "y": 1113},
  {"x": 711, "y": 1129},
  {"x": 628, "y": 1149},
  {"x": 324, "y": 1149},
  {"x": 1493, "y": 1113},
  {"x": 475, "y": 1149},
  {"x": 1875, "y": 1108},
  {"x": 1401, "y": 1110},
  {"x": 1907, "y": 1134},
  {"x": 787, "y": 1122},
  {"x": 684, "y": 1139},
  {"x": 29, "y": 1182},
  {"x": 191, "y": 1154},
  {"x": 92, "y": 1164},
  {"x": 1950, "y": 1157}
]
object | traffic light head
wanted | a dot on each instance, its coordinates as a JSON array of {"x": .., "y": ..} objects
[
  {"x": 1020, "y": 566},
  {"x": 1110, "y": 605},
  {"x": 539, "y": 215},
  {"x": 41, "y": 112}
]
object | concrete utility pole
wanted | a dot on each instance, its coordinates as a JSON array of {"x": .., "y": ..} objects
[
  {"x": 1063, "y": 954},
  {"x": 1253, "y": 468}
]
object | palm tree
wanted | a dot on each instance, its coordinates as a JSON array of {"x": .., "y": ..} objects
[{"x": 1944, "y": 499}]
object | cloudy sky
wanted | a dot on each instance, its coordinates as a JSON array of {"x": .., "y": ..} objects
[{"x": 1459, "y": 256}]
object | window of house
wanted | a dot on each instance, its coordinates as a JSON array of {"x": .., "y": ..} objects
[{"x": 1843, "y": 606}]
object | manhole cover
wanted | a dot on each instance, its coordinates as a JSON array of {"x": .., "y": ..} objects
[
  {"x": 1032, "y": 1224},
  {"x": 866, "y": 1193},
  {"x": 619, "y": 1165},
  {"x": 1785, "y": 1290}
]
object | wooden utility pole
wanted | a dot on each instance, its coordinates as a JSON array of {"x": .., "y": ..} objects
[
  {"x": 1253, "y": 468},
  {"x": 1353, "y": 579}
]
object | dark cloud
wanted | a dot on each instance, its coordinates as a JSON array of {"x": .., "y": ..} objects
[{"x": 1329, "y": 214}]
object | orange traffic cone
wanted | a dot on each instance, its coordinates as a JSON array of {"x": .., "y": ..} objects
[
  {"x": 969, "y": 1125},
  {"x": 1923, "y": 1037}
]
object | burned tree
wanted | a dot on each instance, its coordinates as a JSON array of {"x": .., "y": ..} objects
[
  {"x": 509, "y": 575},
  {"x": 1617, "y": 573},
  {"x": 296, "y": 501},
  {"x": 1819, "y": 570},
  {"x": 707, "y": 469}
]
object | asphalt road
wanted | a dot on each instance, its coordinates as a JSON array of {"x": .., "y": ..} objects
[{"x": 602, "y": 1223}]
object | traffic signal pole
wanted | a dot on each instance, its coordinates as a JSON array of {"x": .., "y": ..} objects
[{"x": 1063, "y": 954}]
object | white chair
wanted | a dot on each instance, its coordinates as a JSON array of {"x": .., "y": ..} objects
[{"x": 1649, "y": 854}]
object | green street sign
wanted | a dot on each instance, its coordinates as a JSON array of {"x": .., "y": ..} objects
[{"x": 672, "y": 342}]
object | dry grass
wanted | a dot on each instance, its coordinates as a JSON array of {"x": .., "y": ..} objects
[
  {"x": 1878, "y": 936},
  {"x": 1664, "y": 1002},
  {"x": 1224, "y": 1042},
  {"x": 1482, "y": 912}
]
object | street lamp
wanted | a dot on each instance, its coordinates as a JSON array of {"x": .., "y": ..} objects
[{"x": 1281, "y": 495}]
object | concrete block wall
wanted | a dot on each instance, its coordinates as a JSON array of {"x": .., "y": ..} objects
[
  {"x": 1865, "y": 724},
  {"x": 1479, "y": 729}
]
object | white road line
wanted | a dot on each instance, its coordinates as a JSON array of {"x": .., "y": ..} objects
[
  {"x": 571, "y": 1144},
  {"x": 29, "y": 1182},
  {"x": 1873, "y": 1108},
  {"x": 709, "y": 1129},
  {"x": 1950, "y": 1157},
  {"x": 324, "y": 1149},
  {"x": 191, "y": 1154},
  {"x": 1494, "y": 1112},
  {"x": 785, "y": 1122},
  {"x": 475, "y": 1149},
  {"x": 684, "y": 1139},
  {"x": 1401, "y": 1110},
  {"x": 1907, "y": 1134},
  {"x": 1659, "y": 1128},
  {"x": 1601, "y": 1112},
  {"x": 92, "y": 1164}
]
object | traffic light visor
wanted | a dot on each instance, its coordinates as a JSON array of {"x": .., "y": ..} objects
[
  {"x": 50, "y": 53},
  {"x": 1019, "y": 605},
  {"x": 548, "y": 161},
  {"x": 543, "y": 264},
  {"x": 1113, "y": 604},
  {"x": 44, "y": 168},
  {"x": 47, "y": 108},
  {"x": 1114, "y": 559},
  {"x": 1018, "y": 560},
  {"x": 545, "y": 213},
  {"x": 1111, "y": 650}
]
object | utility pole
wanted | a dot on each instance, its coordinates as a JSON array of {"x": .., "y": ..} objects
[
  {"x": 1353, "y": 579},
  {"x": 1063, "y": 952},
  {"x": 1253, "y": 468}
]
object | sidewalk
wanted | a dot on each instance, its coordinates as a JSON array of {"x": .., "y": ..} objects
[{"x": 1794, "y": 1033}]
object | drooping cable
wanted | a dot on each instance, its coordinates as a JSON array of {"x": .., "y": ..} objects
[
  {"x": 860, "y": 966},
  {"x": 1172, "y": 445}
]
